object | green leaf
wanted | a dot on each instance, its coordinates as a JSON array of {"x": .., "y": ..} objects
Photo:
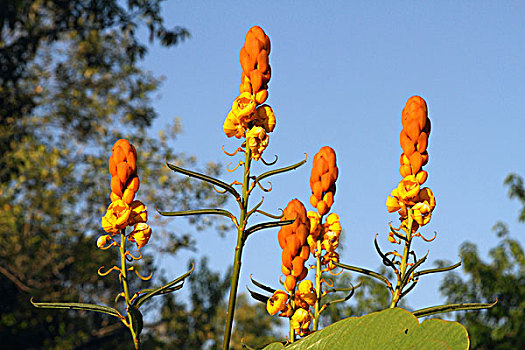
[
  {"x": 160, "y": 290},
  {"x": 390, "y": 329},
  {"x": 78, "y": 306},
  {"x": 136, "y": 319},
  {"x": 281, "y": 170},
  {"x": 206, "y": 178},
  {"x": 197, "y": 212},
  {"x": 452, "y": 307},
  {"x": 265, "y": 225}
]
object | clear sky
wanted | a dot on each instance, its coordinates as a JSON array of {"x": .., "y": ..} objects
[{"x": 341, "y": 74}]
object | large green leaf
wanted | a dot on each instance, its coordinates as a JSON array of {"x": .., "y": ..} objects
[{"x": 388, "y": 329}]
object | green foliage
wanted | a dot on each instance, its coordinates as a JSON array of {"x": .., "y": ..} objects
[
  {"x": 387, "y": 329},
  {"x": 199, "y": 325},
  {"x": 501, "y": 278},
  {"x": 70, "y": 86}
]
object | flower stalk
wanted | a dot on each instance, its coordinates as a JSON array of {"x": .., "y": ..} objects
[{"x": 238, "y": 250}]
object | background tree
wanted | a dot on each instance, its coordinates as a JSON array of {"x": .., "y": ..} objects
[
  {"x": 70, "y": 86},
  {"x": 200, "y": 324},
  {"x": 501, "y": 278}
]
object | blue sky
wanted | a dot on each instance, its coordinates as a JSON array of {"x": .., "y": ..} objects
[{"x": 341, "y": 74}]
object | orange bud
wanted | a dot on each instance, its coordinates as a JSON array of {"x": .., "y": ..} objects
[
  {"x": 405, "y": 170},
  {"x": 421, "y": 176},
  {"x": 407, "y": 145},
  {"x": 281, "y": 237},
  {"x": 247, "y": 62},
  {"x": 286, "y": 258},
  {"x": 422, "y": 142},
  {"x": 262, "y": 61},
  {"x": 123, "y": 172},
  {"x": 289, "y": 283},
  {"x": 313, "y": 201},
  {"x": 329, "y": 198},
  {"x": 261, "y": 96},
  {"x": 416, "y": 161},
  {"x": 112, "y": 166},
  {"x": 293, "y": 244},
  {"x": 118, "y": 154},
  {"x": 116, "y": 186},
  {"x": 305, "y": 252},
  {"x": 322, "y": 208},
  {"x": 303, "y": 275},
  {"x": 134, "y": 184},
  {"x": 114, "y": 197},
  {"x": 128, "y": 196},
  {"x": 256, "y": 79},
  {"x": 297, "y": 266},
  {"x": 412, "y": 130},
  {"x": 286, "y": 271}
]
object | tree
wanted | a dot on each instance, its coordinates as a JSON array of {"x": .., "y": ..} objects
[
  {"x": 70, "y": 86},
  {"x": 200, "y": 324},
  {"x": 502, "y": 278}
]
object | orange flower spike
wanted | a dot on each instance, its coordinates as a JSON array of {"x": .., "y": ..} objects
[
  {"x": 277, "y": 302},
  {"x": 254, "y": 59},
  {"x": 322, "y": 180}
]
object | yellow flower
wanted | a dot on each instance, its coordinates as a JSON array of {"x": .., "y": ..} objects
[
  {"x": 426, "y": 203},
  {"x": 233, "y": 127},
  {"x": 329, "y": 259},
  {"x": 306, "y": 292},
  {"x": 333, "y": 223},
  {"x": 140, "y": 234},
  {"x": 103, "y": 240},
  {"x": 243, "y": 107},
  {"x": 257, "y": 140},
  {"x": 330, "y": 241},
  {"x": 277, "y": 302},
  {"x": 116, "y": 217},
  {"x": 300, "y": 321},
  {"x": 408, "y": 189},
  {"x": 265, "y": 117},
  {"x": 392, "y": 202},
  {"x": 138, "y": 213}
]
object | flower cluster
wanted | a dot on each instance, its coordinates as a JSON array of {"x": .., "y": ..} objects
[
  {"x": 292, "y": 239},
  {"x": 328, "y": 234},
  {"x": 299, "y": 311},
  {"x": 409, "y": 195},
  {"x": 124, "y": 211},
  {"x": 322, "y": 180},
  {"x": 248, "y": 117}
]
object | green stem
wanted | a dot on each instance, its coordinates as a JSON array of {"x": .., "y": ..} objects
[
  {"x": 292, "y": 304},
  {"x": 238, "y": 251},
  {"x": 124, "y": 272},
  {"x": 318, "y": 276},
  {"x": 404, "y": 262}
]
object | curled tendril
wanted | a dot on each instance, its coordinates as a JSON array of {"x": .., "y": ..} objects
[
  {"x": 132, "y": 268},
  {"x": 236, "y": 167},
  {"x": 235, "y": 182},
  {"x": 264, "y": 189},
  {"x": 233, "y": 153},
  {"x": 418, "y": 234},
  {"x": 329, "y": 284},
  {"x": 102, "y": 274},
  {"x": 110, "y": 245},
  {"x": 335, "y": 274},
  {"x": 270, "y": 163},
  {"x": 218, "y": 191},
  {"x": 132, "y": 257}
]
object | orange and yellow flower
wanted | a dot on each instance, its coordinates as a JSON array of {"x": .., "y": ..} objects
[
  {"x": 300, "y": 321},
  {"x": 277, "y": 302},
  {"x": 117, "y": 216},
  {"x": 140, "y": 234}
]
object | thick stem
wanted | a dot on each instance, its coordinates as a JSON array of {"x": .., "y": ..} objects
[
  {"x": 292, "y": 304},
  {"x": 404, "y": 262},
  {"x": 318, "y": 277},
  {"x": 124, "y": 272},
  {"x": 238, "y": 252}
]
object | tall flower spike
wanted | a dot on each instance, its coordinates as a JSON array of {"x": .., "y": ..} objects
[
  {"x": 322, "y": 180},
  {"x": 248, "y": 117},
  {"x": 292, "y": 239},
  {"x": 123, "y": 169},
  {"x": 256, "y": 71},
  {"x": 414, "y": 138}
]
